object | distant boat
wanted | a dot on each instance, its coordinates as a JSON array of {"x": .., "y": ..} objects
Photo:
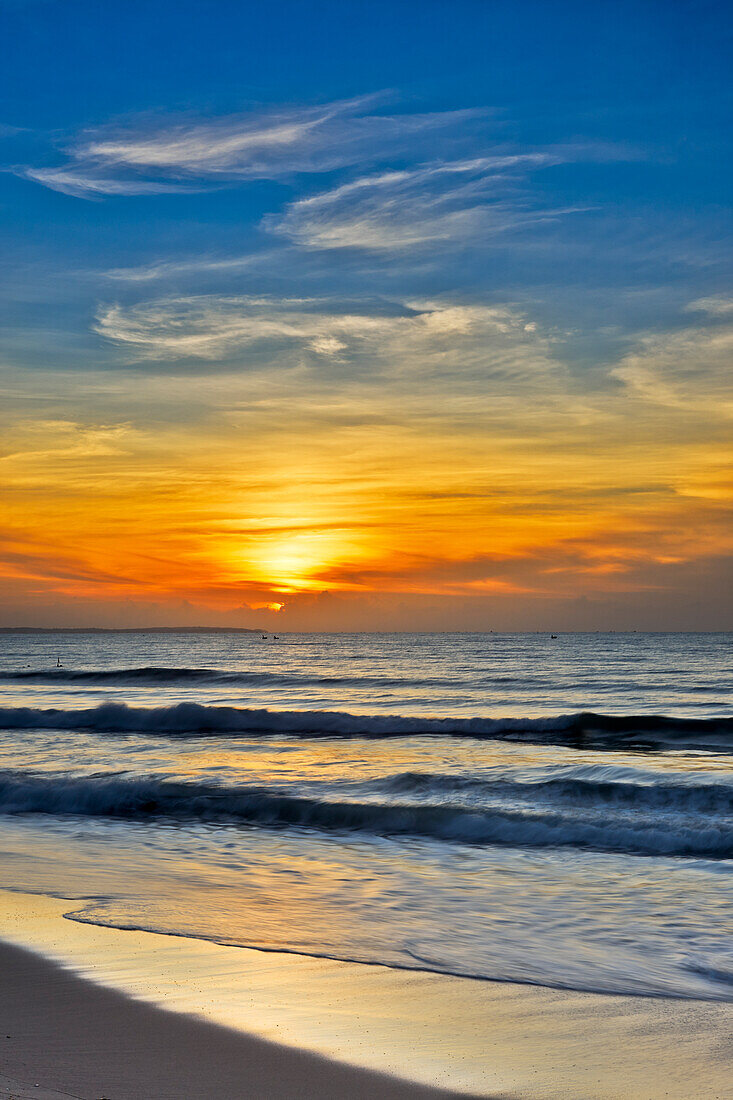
[
  {"x": 553, "y": 635},
  {"x": 264, "y": 637}
]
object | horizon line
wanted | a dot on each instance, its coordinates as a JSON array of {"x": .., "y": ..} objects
[{"x": 257, "y": 630}]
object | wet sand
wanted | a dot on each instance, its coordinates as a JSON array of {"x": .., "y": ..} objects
[
  {"x": 83, "y": 1012},
  {"x": 63, "y": 1036}
]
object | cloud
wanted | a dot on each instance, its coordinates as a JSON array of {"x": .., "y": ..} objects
[
  {"x": 53, "y": 440},
  {"x": 718, "y": 305},
  {"x": 395, "y": 210},
  {"x": 196, "y": 265},
  {"x": 688, "y": 370},
  {"x": 87, "y": 186},
  {"x": 453, "y": 340},
  {"x": 215, "y": 327},
  {"x": 154, "y": 156}
]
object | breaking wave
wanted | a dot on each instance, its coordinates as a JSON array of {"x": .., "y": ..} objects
[
  {"x": 114, "y": 795},
  {"x": 661, "y": 797},
  {"x": 582, "y": 730}
]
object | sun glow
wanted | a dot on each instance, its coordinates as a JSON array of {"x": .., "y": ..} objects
[
  {"x": 395, "y": 491},
  {"x": 293, "y": 564}
]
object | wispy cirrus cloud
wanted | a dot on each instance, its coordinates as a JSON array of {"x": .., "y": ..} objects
[
  {"x": 717, "y": 305},
  {"x": 689, "y": 370},
  {"x": 450, "y": 356},
  {"x": 156, "y": 155},
  {"x": 445, "y": 203},
  {"x": 459, "y": 341},
  {"x": 83, "y": 183},
  {"x": 194, "y": 265},
  {"x": 215, "y": 327},
  {"x": 433, "y": 203}
]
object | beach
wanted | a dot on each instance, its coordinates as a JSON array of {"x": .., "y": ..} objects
[
  {"x": 65, "y": 1037},
  {"x": 366, "y": 866},
  {"x": 366, "y": 618},
  {"x": 83, "y": 1011}
]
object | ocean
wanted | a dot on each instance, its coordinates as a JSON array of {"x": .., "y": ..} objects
[{"x": 513, "y": 807}]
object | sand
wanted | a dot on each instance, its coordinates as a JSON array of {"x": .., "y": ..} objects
[
  {"x": 63, "y": 1036},
  {"x": 243, "y": 1023}
]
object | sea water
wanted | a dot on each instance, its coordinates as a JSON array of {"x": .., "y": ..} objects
[{"x": 516, "y": 807}]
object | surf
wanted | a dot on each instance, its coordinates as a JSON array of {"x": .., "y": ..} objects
[{"x": 581, "y": 730}]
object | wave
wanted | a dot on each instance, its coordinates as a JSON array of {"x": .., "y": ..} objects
[
  {"x": 114, "y": 795},
  {"x": 664, "y": 797},
  {"x": 149, "y": 674},
  {"x": 154, "y": 675},
  {"x": 582, "y": 730}
]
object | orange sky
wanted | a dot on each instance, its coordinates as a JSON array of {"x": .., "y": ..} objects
[{"x": 441, "y": 469}]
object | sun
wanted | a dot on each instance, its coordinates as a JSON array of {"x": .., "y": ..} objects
[{"x": 296, "y": 563}]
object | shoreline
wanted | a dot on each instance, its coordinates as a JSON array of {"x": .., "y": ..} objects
[{"x": 81, "y": 999}]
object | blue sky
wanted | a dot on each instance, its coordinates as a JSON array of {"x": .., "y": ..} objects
[
  {"x": 209, "y": 190},
  {"x": 630, "y": 103}
]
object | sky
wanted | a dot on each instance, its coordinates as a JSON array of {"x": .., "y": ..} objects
[{"x": 366, "y": 316}]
